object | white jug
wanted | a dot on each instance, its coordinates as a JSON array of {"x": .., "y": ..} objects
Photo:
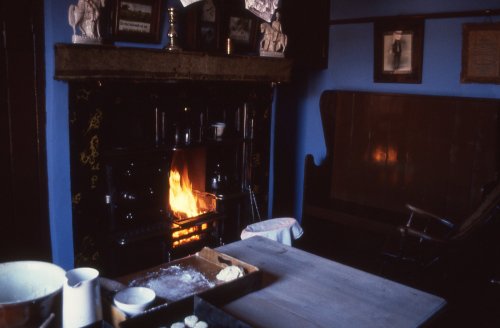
[{"x": 81, "y": 298}]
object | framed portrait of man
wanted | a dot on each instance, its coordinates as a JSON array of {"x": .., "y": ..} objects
[{"x": 398, "y": 51}]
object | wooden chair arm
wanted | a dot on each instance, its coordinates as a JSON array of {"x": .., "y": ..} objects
[
  {"x": 408, "y": 231},
  {"x": 422, "y": 212}
]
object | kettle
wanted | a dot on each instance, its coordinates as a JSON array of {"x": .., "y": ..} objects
[{"x": 81, "y": 298}]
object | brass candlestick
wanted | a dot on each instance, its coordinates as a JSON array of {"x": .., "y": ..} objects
[{"x": 172, "y": 33}]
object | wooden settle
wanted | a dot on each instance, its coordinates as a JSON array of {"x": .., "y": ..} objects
[{"x": 387, "y": 150}]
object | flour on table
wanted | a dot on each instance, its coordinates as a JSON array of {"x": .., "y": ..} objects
[{"x": 175, "y": 282}]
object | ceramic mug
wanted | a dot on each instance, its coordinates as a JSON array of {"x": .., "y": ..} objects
[
  {"x": 218, "y": 129},
  {"x": 81, "y": 298}
]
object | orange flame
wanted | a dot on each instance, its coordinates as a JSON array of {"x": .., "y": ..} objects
[
  {"x": 183, "y": 202},
  {"x": 186, "y": 240},
  {"x": 182, "y": 237}
]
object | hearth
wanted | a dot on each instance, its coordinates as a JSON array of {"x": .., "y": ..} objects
[
  {"x": 139, "y": 200},
  {"x": 140, "y": 150}
]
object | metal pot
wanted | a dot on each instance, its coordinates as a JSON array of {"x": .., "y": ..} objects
[{"x": 30, "y": 293}]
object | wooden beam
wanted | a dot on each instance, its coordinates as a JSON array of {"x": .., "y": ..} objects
[
  {"x": 452, "y": 14},
  {"x": 83, "y": 62}
]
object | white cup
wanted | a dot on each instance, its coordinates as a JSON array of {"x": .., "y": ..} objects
[
  {"x": 81, "y": 298},
  {"x": 218, "y": 129}
]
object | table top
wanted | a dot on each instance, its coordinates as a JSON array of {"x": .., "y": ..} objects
[{"x": 301, "y": 289}]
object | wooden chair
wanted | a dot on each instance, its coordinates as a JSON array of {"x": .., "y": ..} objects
[{"x": 469, "y": 248}]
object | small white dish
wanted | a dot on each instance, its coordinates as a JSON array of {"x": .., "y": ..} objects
[{"x": 134, "y": 300}]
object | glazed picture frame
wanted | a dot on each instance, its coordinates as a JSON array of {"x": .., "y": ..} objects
[
  {"x": 481, "y": 53},
  {"x": 398, "y": 51},
  {"x": 137, "y": 21}
]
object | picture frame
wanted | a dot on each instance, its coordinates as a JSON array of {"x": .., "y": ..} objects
[
  {"x": 137, "y": 21},
  {"x": 210, "y": 23},
  {"x": 242, "y": 30},
  {"x": 398, "y": 51},
  {"x": 480, "y": 53},
  {"x": 202, "y": 26}
]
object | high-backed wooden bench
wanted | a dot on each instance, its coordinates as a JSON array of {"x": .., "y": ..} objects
[{"x": 387, "y": 150}]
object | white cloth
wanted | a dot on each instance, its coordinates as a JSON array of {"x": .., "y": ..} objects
[
  {"x": 186, "y": 3},
  {"x": 262, "y": 8},
  {"x": 283, "y": 230}
]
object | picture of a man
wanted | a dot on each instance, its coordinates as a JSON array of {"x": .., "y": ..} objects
[{"x": 397, "y": 52}]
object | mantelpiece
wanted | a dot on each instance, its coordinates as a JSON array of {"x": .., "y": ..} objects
[{"x": 84, "y": 62}]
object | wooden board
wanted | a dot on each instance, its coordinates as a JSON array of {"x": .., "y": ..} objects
[
  {"x": 207, "y": 262},
  {"x": 76, "y": 62},
  {"x": 304, "y": 290}
]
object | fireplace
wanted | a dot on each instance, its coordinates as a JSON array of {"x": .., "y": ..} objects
[
  {"x": 134, "y": 114},
  {"x": 141, "y": 149},
  {"x": 192, "y": 210}
]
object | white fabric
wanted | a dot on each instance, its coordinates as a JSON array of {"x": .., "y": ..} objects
[
  {"x": 186, "y": 3},
  {"x": 262, "y": 8},
  {"x": 283, "y": 230}
]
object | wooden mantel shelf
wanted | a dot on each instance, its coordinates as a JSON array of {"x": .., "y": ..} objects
[{"x": 84, "y": 62}]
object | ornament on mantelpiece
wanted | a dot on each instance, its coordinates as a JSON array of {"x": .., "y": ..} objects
[
  {"x": 262, "y": 8},
  {"x": 173, "y": 44},
  {"x": 84, "y": 18},
  {"x": 186, "y": 3},
  {"x": 274, "y": 41}
]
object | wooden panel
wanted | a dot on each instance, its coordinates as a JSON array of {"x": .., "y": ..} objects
[
  {"x": 307, "y": 28},
  {"x": 75, "y": 62},
  {"x": 389, "y": 149},
  {"x": 24, "y": 223}
]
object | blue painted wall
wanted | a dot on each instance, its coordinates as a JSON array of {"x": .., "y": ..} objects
[
  {"x": 57, "y": 30},
  {"x": 350, "y": 67}
]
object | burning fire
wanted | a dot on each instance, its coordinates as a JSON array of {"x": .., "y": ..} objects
[
  {"x": 183, "y": 200},
  {"x": 180, "y": 235}
]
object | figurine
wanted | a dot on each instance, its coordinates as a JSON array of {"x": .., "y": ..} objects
[
  {"x": 274, "y": 41},
  {"x": 85, "y": 17}
]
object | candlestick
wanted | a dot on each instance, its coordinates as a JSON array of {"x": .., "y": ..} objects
[{"x": 172, "y": 33}]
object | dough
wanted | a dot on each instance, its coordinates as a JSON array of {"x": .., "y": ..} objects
[
  {"x": 191, "y": 320},
  {"x": 177, "y": 325},
  {"x": 201, "y": 324},
  {"x": 230, "y": 273}
]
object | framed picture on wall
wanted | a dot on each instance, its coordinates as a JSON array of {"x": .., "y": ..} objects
[
  {"x": 210, "y": 23},
  {"x": 241, "y": 27},
  {"x": 398, "y": 47},
  {"x": 243, "y": 32},
  {"x": 137, "y": 21},
  {"x": 202, "y": 27},
  {"x": 481, "y": 53}
]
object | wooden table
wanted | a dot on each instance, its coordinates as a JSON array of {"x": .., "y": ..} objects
[{"x": 305, "y": 290}]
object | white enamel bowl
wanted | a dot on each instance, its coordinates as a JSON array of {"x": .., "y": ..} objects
[
  {"x": 134, "y": 300},
  {"x": 29, "y": 292}
]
